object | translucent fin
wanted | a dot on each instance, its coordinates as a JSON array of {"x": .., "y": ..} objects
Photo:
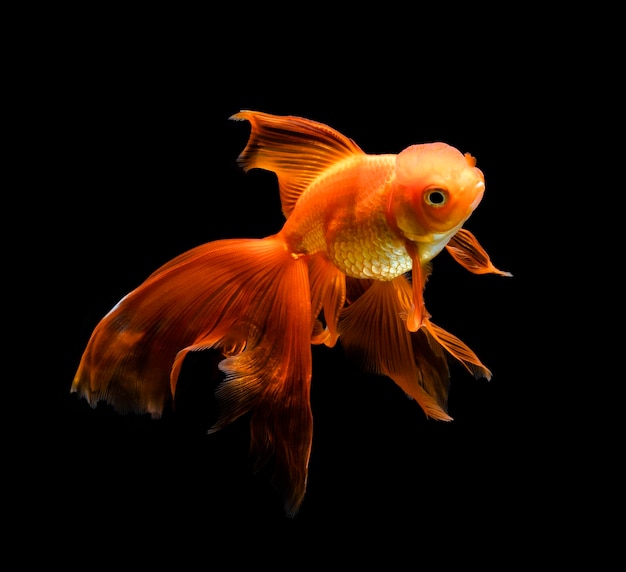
[
  {"x": 355, "y": 288},
  {"x": 458, "y": 349},
  {"x": 373, "y": 329},
  {"x": 271, "y": 378},
  {"x": 296, "y": 149},
  {"x": 131, "y": 352},
  {"x": 466, "y": 250},
  {"x": 328, "y": 293},
  {"x": 251, "y": 299}
]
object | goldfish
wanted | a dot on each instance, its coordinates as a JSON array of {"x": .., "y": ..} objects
[{"x": 349, "y": 265}]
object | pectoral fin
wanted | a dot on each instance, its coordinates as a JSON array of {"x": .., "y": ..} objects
[
  {"x": 466, "y": 250},
  {"x": 417, "y": 313}
]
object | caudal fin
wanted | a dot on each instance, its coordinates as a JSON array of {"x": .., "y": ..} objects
[{"x": 248, "y": 298}]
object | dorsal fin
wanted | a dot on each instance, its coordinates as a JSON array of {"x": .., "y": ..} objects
[{"x": 296, "y": 149}]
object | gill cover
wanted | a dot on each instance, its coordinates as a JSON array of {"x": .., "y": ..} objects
[{"x": 437, "y": 188}]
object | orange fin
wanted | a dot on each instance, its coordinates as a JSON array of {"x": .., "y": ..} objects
[
  {"x": 131, "y": 352},
  {"x": 458, "y": 349},
  {"x": 417, "y": 313},
  {"x": 271, "y": 378},
  {"x": 298, "y": 150},
  {"x": 373, "y": 328},
  {"x": 251, "y": 299},
  {"x": 466, "y": 250},
  {"x": 355, "y": 288},
  {"x": 328, "y": 293}
]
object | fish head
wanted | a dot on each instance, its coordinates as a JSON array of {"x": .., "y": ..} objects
[{"x": 436, "y": 189}]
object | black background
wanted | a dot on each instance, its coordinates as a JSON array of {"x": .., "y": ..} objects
[{"x": 139, "y": 164}]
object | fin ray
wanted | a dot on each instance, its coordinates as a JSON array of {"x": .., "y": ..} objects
[
  {"x": 458, "y": 349},
  {"x": 374, "y": 328},
  {"x": 467, "y": 251},
  {"x": 247, "y": 297},
  {"x": 128, "y": 359},
  {"x": 328, "y": 293},
  {"x": 298, "y": 150}
]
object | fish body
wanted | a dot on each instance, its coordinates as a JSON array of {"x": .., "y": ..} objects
[
  {"x": 349, "y": 264},
  {"x": 343, "y": 216}
]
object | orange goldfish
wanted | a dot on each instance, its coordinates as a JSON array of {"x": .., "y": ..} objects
[{"x": 349, "y": 264}]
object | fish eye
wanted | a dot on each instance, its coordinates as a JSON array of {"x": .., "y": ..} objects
[{"x": 436, "y": 197}]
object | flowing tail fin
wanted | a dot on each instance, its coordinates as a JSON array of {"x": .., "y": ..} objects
[{"x": 248, "y": 298}]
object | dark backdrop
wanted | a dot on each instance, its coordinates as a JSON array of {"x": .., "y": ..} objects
[{"x": 139, "y": 165}]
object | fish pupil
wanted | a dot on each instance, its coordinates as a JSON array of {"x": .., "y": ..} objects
[{"x": 436, "y": 197}]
